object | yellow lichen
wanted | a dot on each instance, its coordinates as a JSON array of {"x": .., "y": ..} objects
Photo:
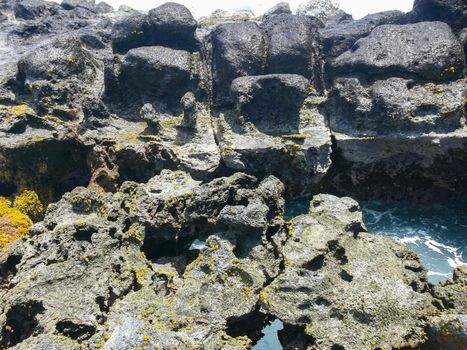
[
  {"x": 294, "y": 136},
  {"x": 28, "y": 203},
  {"x": 42, "y": 168},
  {"x": 15, "y": 111},
  {"x": 13, "y": 223}
]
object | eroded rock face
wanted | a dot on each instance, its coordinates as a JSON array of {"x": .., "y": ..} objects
[
  {"x": 128, "y": 257},
  {"x": 292, "y": 44},
  {"x": 170, "y": 25},
  {"x": 449, "y": 11},
  {"x": 346, "y": 290},
  {"x": 339, "y": 35},
  {"x": 428, "y": 50},
  {"x": 155, "y": 74},
  {"x": 237, "y": 51},
  {"x": 271, "y": 102},
  {"x": 185, "y": 141}
]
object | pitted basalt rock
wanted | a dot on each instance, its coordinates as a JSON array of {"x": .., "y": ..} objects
[
  {"x": 176, "y": 142},
  {"x": 428, "y": 50}
]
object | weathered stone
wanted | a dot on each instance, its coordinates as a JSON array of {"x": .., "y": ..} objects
[
  {"x": 394, "y": 106},
  {"x": 130, "y": 32},
  {"x": 170, "y": 25},
  {"x": 174, "y": 26},
  {"x": 103, "y": 7},
  {"x": 238, "y": 50},
  {"x": 450, "y": 11},
  {"x": 271, "y": 102},
  {"x": 340, "y": 37},
  {"x": 335, "y": 286},
  {"x": 60, "y": 71},
  {"x": 85, "y": 4},
  {"x": 31, "y": 9},
  {"x": 318, "y": 8},
  {"x": 150, "y": 74},
  {"x": 292, "y": 45},
  {"x": 280, "y": 8},
  {"x": 258, "y": 147},
  {"x": 428, "y": 50}
]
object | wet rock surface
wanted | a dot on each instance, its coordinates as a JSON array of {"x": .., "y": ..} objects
[{"x": 164, "y": 148}]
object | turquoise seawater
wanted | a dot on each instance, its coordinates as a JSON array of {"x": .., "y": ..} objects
[
  {"x": 438, "y": 234},
  {"x": 270, "y": 339}
]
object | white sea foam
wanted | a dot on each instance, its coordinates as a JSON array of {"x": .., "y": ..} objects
[
  {"x": 409, "y": 240},
  {"x": 434, "y": 273},
  {"x": 197, "y": 245},
  {"x": 434, "y": 246}
]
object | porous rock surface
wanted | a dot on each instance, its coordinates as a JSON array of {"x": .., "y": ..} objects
[{"x": 165, "y": 148}]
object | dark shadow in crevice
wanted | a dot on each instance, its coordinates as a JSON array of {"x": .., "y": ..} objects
[
  {"x": 75, "y": 330},
  {"x": 315, "y": 264},
  {"x": 249, "y": 325},
  {"x": 21, "y": 323},
  {"x": 294, "y": 337},
  {"x": 174, "y": 251},
  {"x": 8, "y": 270}
]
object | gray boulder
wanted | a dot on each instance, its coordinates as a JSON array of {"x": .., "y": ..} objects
[
  {"x": 453, "y": 12},
  {"x": 318, "y": 8},
  {"x": 130, "y": 32},
  {"x": 170, "y": 25},
  {"x": 271, "y": 102},
  {"x": 342, "y": 212},
  {"x": 280, "y": 8},
  {"x": 103, "y": 7},
  {"x": 85, "y": 4},
  {"x": 428, "y": 50},
  {"x": 395, "y": 106},
  {"x": 60, "y": 71},
  {"x": 237, "y": 50},
  {"x": 31, "y": 9},
  {"x": 341, "y": 32},
  {"x": 292, "y": 45},
  {"x": 155, "y": 73},
  {"x": 173, "y": 26}
]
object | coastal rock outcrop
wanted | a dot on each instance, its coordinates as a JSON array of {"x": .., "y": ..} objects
[
  {"x": 176, "y": 261},
  {"x": 164, "y": 148}
]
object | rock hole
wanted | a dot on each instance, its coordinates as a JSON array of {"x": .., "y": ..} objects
[
  {"x": 21, "y": 323},
  {"x": 294, "y": 337},
  {"x": 75, "y": 329},
  {"x": 346, "y": 276},
  {"x": 250, "y": 325},
  {"x": 322, "y": 301},
  {"x": 338, "y": 252},
  {"x": 337, "y": 347},
  {"x": 315, "y": 263},
  {"x": 8, "y": 269},
  {"x": 84, "y": 233},
  {"x": 112, "y": 232},
  {"x": 174, "y": 251}
]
